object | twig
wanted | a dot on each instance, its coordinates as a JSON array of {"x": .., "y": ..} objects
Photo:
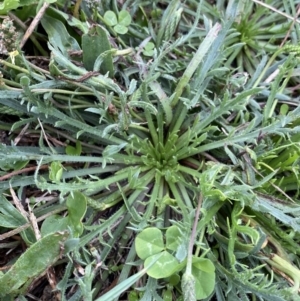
[
  {"x": 27, "y": 225},
  {"x": 193, "y": 234},
  {"x": 21, "y": 134},
  {"x": 34, "y": 223},
  {"x": 18, "y": 204},
  {"x": 20, "y": 171},
  {"x": 293, "y": 23},
  {"x": 275, "y": 10},
  {"x": 32, "y": 37},
  {"x": 34, "y": 23}
]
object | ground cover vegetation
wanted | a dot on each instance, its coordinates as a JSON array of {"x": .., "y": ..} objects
[{"x": 149, "y": 150}]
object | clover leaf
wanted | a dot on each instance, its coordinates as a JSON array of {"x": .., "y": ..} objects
[
  {"x": 149, "y": 245},
  {"x": 119, "y": 23},
  {"x": 149, "y": 49}
]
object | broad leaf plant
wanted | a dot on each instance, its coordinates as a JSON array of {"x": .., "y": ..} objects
[{"x": 171, "y": 174}]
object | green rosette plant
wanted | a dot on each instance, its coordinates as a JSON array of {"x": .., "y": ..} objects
[
  {"x": 154, "y": 166},
  {"x": 258, "y": 28}
]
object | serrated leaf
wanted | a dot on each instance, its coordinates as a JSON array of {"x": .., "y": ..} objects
[
  {"x": 113, "y": 149},
  {"x": 144, "y": 105},
  {"x": 15, "y": 165}
]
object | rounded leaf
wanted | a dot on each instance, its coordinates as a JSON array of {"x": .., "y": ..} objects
[
  {"x": 53, "y": 224},
  {"x": 149, "y": 46},
  {"x": 77, "y": 205},
  {"x": 173, "y": 238},
  {"x": 120, "y": 29},
  {"x": 149, "y": 242},
  {"x": 110, "y": 18},
  {"x": 174, "y": 279},
  {"x": 167, "y": 295},
  {"x": 165, "y": 265},
  {"x": 124, "y": 18},
  {"x": 204, "y": 272}
]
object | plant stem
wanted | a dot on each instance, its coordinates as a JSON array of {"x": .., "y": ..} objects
[{"x": 193, "y": 236}]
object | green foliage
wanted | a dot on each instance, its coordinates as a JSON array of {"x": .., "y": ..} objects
[
  {"x": 149, "y": 245},
  {"x": 75, "y": 151},
  {"x": 119, "y": 23},
  {"x": 76, "y": 205},
  {"x": 134, "y": 119},
  {"x": 149, "y": 49},
  {"x": 8, "y": 5},
  {"x": 203, "y": 271},
  {"x": 56, "y": 171},
  {"x": 11, "y": 218},
  {"x": 48, "y": 250},
  {"x": 97, "y": 51}
]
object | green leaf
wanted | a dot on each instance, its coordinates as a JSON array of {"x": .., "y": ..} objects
[
  {"x": 110, "y": 18},
  {"x": 124, "y": 18},
  {"x": 74, "y": 151},
  {"x": 58, "y": 35},
  {"x": 120, "y": 29},
  {"x": 10, "y": 217},
  {"x": 8, "y": 5},
  {"x": 54, "y": 223},
  {"x": 56, "y": 171},
  {"x": 284, "y": 109},
  {"x": 174, "y": 279},
  {"x": 204, "y": 272},
  {"x": 196, "y": 60},
  {"x": 95, "y": 46},
  {"x": 167, "y": 295},
  {"x": 149, "y": 49},
  {"x": 15, "y": 165},
  {"x": 72, "y": 21},
  {"x": 77, "y": 205},
  {"x": 173, "y": 238},
  {"x": 43, "y": 254},
  {"x": 149, "y": 242},
  {"x": 165, "y": 265}
]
